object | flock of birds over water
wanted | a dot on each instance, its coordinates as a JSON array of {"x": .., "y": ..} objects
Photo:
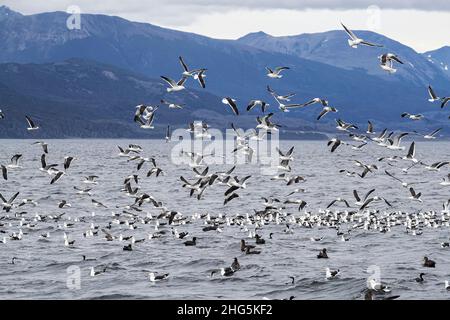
[{"x": 367, "y": 212}]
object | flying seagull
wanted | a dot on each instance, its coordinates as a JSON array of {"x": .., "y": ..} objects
[
  {"x": 15, "y": 159},
  {"x": 57, "y": 177},
  {"x": 232, "y": 104},
  {"x": 186, "y": 71},
  {"x": 172, "y": 105},
  {"x": 280, "y": 97},
  {"x": 43, "y": 145},
  {"x": 414, "y": 117},
  {"x": 387, "y": 62},
  {"x": 324, "y": 111},
  {"x": 254, "y": 103},
  {"x": 354, "y": 41},
  {"x": 433, "y": 96},
  {"x": 414, "y": 195},
  {"x": 200, "y": 77},
  {"x": 444, "y": 102},
  {"x": 148, "y": 124},
  {"x": 275, "y": 74},
  {"x": 323, "y": 102},
  {"x": 285, "y": 107},
  {"x": 67, "y": 162},
  {"x": 411, "y": 153},
  {"x": 370, "y": 128},
  {"x": 31, "y": 124},
  {"x": 432, "y": 135},
  {"x": 174, "y": 86},
  {"x": 49, "y": 168},
  {"x": 7, "y": 205}
]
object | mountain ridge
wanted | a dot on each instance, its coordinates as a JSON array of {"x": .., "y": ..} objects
[{"x": 235, "y": 68}]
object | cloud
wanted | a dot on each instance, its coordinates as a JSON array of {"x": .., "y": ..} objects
[
  {"x": 184, "y": 10},
  {"x": 433, "y": 5}
]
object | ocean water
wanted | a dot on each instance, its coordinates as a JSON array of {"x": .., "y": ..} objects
[{"x": 43, "y": 268}]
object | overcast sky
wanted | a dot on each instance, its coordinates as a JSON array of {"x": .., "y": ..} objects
[{"x": 423, "y": 25}]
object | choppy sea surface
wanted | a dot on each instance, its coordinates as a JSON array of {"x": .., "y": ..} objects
[{"x": 43, "y": 267}]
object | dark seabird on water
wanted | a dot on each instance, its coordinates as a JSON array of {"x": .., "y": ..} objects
[
  {"x": 428, "y": 263},
  {"x": 323, "y": 254},
  {"x": 192, "y": 242},
  {"x": 259, "y": 240},
  {"x": 420, "y": 279},
  {"x": 63, "y": 204},
  {"x": 330, "y": 274},
  {"x": 98, "y": 203},
  {"x": 226, "y": 272},
  {"x": 96, "y": 273},
  {"x": 370, "y": 295},
  {"x": 249, "y": 250},
  {"x": 108, "y": 236},
  {"x": 244, "y": 246},
  {"x": 235, "y": 265},
  {"x": 87, "y": 259},
  {"x": 128, "y": 247}
]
